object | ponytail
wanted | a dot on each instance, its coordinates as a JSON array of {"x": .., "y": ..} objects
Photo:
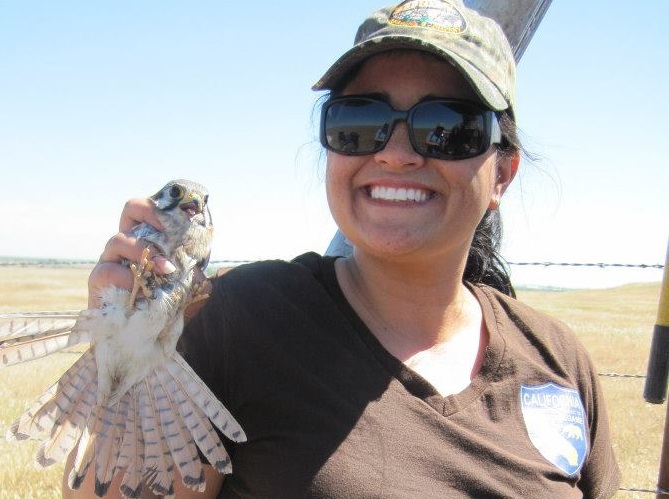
[{"x": 485, "y": 265}]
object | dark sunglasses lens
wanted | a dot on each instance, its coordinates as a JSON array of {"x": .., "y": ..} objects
[
  {"x": 448, "y": 130},
  {"x": 356, "y": 126}
]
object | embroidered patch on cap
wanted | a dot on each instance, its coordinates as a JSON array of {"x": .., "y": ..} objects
[
  {"x": 434, "y": 14},
  {"x": 555, "y": 421}
]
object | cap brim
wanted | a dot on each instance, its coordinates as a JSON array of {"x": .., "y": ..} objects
[{"x": 486, "y": 89}]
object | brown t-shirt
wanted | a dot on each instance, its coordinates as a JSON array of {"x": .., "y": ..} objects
[{"x": 329, "y": 413}]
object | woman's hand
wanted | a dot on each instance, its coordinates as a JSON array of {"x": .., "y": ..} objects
[{"x": 109, "y": 270}]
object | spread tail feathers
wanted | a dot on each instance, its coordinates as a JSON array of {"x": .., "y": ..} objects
[{"x": 155, "y": 428}]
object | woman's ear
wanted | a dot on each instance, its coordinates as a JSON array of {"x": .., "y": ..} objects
[{"x": 506, "y": 166}]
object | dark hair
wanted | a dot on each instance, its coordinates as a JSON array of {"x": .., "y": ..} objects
[{"x": 485, "y": 265}]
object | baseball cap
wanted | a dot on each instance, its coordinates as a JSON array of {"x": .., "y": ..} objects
[{"x": 474, "y": 44}]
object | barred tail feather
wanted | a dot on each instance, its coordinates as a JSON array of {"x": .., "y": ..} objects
[
  {"x": 66, "y": 433},
  {"x": 69, "y": 427},
  {"x": 85, "y": 449},
  {"x": 200, "y": 427},
  {"x": 158, "y": 464},
  {"x": 56, "y": 402},
  {"x": 109, "y": 444},
  {"x": 174, "y": 429},
  {"x": 204, "y": 398},
  {"x": 131, "y": 457}
]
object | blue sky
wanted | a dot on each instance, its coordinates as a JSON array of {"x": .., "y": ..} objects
[{"x": 103, "y": 101}]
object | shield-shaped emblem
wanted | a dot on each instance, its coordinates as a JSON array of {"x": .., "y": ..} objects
[{"x": 555, "y": 421}]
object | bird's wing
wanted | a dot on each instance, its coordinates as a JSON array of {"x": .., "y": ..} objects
[{"x": 31, "y": 335}]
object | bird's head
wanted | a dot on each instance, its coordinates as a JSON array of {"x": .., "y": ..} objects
[
  {"x": 185, "y": 199},
  {"x": 184, "y": 212}
]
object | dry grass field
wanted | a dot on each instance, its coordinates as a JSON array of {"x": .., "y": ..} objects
[
  {"x": 23, "y": 289},
  {"x": 615, "y": 325}
]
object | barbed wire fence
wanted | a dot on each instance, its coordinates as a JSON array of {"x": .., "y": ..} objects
[{"x": 660, "y": 266}]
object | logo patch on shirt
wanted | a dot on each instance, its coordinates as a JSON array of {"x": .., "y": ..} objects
[
  {"x": 435, "y": 14},
  {"x": 555, "y": 421}
]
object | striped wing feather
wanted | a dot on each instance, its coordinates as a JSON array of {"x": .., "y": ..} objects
[{"x": 32, "y": 335}]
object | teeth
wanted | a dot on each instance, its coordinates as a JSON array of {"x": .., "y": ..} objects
[{"x": 401, "y": 194}]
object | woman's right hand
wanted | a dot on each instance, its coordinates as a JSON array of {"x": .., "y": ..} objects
[{"x": 109, "y": 271}]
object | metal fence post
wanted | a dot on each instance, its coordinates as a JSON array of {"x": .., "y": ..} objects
[{"x": 655, "y": 390}]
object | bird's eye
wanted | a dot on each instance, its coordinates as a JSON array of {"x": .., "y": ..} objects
[{"x": 176, "y": 192}]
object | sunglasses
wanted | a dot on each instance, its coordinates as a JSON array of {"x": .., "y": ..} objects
[{"x": 450, "y": 129}]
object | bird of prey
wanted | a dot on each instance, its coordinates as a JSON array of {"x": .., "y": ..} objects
[{"x": 131, "y": 403}]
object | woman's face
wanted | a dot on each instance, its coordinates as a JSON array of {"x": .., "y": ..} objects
[{"x": 449, "y": 197}]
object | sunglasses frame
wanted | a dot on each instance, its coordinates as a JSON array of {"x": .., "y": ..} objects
[{"x": 492, "y": 130}]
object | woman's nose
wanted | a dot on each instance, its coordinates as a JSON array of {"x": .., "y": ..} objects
[{"x": 398, "y": 152}]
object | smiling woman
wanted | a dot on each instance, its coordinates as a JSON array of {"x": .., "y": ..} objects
[
  {"x": 454, "y": 197},
  {"x": 402, "y": 369}
]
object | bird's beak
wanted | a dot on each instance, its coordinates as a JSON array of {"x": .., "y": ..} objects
[{"x": 192, "y": 204}]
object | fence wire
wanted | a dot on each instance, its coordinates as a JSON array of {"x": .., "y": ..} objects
[
  {"x": 600, "y": 265},
  {"x": 658, "y": 491},
  {"x": 519, "y": 264}
]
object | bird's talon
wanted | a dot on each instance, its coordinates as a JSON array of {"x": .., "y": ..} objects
[{"x": 141, "y": 272}]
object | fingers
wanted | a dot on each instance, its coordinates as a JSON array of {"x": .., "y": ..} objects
[
  {"x": 137, "y": 211},
  {"x": 122, "y": 247},
  {"x": 112, "y": 270},
  {"x": 106, "y": 274}
]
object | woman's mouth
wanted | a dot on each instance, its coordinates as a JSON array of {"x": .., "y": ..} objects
[{"x": 399, "y": 194}]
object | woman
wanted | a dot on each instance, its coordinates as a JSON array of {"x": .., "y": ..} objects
[{"x": 399, "y": 371}]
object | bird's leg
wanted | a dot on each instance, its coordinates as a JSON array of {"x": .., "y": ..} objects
[
  {"x": 200, "y": 291},
  {"x": 198, "y": 296},
  {"x": 140, "y": 272}
]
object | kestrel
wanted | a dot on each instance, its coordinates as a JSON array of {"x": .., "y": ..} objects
[{"x": 130, "y": 403}]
